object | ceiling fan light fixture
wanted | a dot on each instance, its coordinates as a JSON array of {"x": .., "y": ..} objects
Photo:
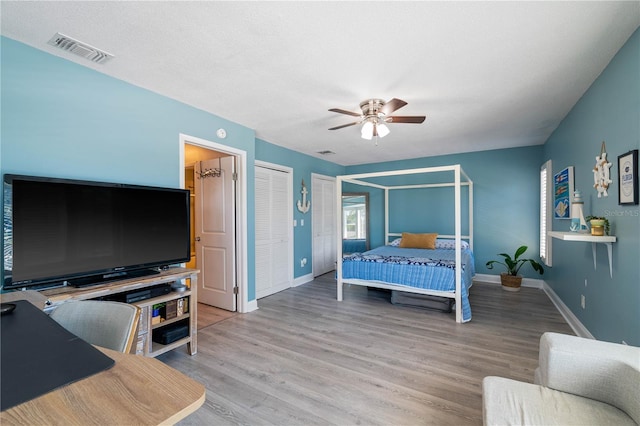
[
  {"x": 383, "y": 130},
  {"x": 367, "y": 130},
  {"x": 375, "y": 114}
]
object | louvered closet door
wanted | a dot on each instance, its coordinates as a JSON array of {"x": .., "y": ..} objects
[{"x": 274, "y": 271}]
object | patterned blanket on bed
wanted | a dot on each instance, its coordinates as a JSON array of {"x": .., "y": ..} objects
[{"x": 403, "y": 260}]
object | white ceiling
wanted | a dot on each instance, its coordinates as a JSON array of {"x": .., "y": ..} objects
[{"x": 487, "y": 75}]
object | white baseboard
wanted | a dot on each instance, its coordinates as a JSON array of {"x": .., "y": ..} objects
[
  {"x": 564, "y": 310},
  {"x": 495, "y": 279},
  {"x": 302, "y": 280},
  {"x": 252, "y": 305},
  {"x": 566, "y": 313}
]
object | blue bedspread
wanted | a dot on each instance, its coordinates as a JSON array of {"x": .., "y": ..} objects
[{"x": 420, "y": 268}]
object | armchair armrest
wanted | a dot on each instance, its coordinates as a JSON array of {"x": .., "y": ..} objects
[{"x": 607, "y": 372}]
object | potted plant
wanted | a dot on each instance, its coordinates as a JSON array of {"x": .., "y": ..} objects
[
  {"x": 599, "y": 225},
  {"x": 510, "y": 280}
]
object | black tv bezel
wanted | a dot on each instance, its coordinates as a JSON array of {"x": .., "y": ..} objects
[{"x": 98, "y": 276}]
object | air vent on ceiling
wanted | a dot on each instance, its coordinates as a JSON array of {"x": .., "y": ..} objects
[
  {"x": 79, "y": 48},
  {"x": 327, "y": 152}
]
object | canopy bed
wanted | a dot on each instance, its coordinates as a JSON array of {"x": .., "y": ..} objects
[{"x": 415, "y": 263}]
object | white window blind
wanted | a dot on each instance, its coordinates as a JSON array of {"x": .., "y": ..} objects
[{"x": 546, "y": 216}]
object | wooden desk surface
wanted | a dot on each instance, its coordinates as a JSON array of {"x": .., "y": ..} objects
[
  {"x": 136, "y": 390},
  {"x": 32, "y": 296}
]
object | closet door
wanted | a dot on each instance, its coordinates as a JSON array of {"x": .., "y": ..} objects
[
  {"x": 323, "y": 205},
  {"x": 274, "y": 215}
]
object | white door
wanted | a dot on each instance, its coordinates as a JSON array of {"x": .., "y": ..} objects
[
  {"x": 274, "y": 215},
  {"x": 215, "y": 232},
  {"x": 323, "y": 206}
]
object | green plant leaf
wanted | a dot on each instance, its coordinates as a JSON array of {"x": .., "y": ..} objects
[
  {"x": 514, "y": 264},
  {"x": 520, "y": 251}
]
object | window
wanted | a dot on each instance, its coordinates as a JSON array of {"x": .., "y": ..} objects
[
  {"x": 546, "y": 206},
  {"x": 355, "y": 220}
]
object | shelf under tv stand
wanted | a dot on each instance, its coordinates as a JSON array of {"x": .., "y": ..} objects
[{"x": 145, "y": 346}]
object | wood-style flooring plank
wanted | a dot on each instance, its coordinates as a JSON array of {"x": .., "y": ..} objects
[
  {"x": 305, "y": 358},
  {"x": 209, "y": 315}
]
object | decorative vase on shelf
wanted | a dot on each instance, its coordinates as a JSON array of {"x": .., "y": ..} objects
[
  {"x": 597, "y": 227},
  {"x": 578, "y": 224}
]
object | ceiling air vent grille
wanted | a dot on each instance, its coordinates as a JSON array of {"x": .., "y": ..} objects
[{"x": 79, "y": 48}]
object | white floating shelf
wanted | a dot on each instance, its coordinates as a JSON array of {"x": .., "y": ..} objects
[{"x": 588, "y": 238}]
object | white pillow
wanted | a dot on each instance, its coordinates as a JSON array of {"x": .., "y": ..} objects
[
  {"x": 451, "y": 244},
  {"x": 396, "y": 242}
]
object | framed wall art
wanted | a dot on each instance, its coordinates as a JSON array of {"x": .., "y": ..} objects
[
  {"x": 562, "y": 193},
  {"x": 628, "y": 178}
]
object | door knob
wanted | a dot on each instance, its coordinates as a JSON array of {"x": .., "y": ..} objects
[{"x": 197, "y": 238}]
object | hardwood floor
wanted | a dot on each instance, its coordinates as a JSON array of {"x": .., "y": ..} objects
[
  {"x": 208, "y": 315},
  {"x": 304, "y": 358}
]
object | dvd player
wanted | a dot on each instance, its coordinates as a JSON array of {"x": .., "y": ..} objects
[{"x": 142, "y": 294}]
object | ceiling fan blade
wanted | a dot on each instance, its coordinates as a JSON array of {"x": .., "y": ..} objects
[
  {"x": 393, "y": 105},
  {"x": 343, "y": 111},
  {"x": 405, "y": 119},
  {"x": 345, "y": 125}
]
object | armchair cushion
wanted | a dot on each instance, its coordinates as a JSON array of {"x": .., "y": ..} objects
[{"x": 510, "y": 402}]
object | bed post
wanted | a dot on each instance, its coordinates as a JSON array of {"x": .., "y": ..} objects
[
  {"x": 470, "y": 200},
  {"x": 470, "y": 214},
  {"x": 339, "y": 238},
  {"x": 386, "y": 216},
  {"x": 458, "y": 234}
]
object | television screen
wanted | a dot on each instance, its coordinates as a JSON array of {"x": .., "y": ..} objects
[{"x": 77, "y": 232}]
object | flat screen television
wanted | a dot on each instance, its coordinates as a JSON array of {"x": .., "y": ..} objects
[{"x": 71, "y": 232}]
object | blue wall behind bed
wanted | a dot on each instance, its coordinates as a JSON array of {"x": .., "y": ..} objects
[{"x": 506, "y": 202}]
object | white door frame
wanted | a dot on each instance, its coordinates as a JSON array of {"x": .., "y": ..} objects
[
  {"x": 314, "y": 200},
  {"x": 289, "y": 172},
  {"x": 244, "y": 305}
]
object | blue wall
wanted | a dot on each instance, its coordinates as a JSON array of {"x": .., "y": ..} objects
[
  {"x": 609, "y": 111},
  {"x": 63, "y": 120},
  {"x": 303, "y": 165}
]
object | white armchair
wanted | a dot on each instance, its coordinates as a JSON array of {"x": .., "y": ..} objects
[{"x": 578, "y": 382}]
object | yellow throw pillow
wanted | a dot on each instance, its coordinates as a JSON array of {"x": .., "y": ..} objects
[{"x": 424, "y": 241}]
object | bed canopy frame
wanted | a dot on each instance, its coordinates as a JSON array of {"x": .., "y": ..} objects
[{"x": 460, "y": 179}]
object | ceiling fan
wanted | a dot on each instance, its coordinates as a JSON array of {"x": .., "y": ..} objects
[{"x": 375, "y": 114}]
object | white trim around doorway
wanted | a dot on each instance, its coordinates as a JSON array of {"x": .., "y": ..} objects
[{"x": 244, "y": 305}]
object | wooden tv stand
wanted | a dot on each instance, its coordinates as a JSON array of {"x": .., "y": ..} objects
[{"x": 145, "y": 345}]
